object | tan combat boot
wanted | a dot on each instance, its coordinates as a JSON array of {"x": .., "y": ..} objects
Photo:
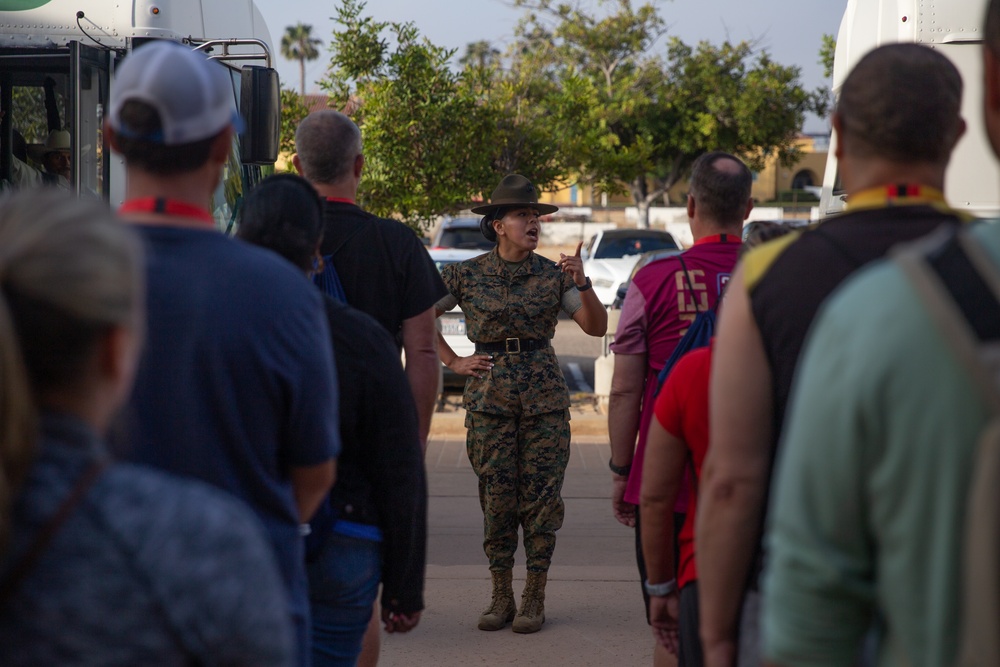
[
  {"x": 501, "y": 610},
  {"x": 532, "y": 613}
]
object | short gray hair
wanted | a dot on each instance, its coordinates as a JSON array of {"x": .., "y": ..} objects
[{"x": 327, "y": 143}]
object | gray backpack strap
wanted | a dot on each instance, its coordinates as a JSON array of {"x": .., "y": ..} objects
[{"x": 945, "y": 269}]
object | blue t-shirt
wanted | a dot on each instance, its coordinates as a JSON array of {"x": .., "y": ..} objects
[{"x": 236, "y": 383}]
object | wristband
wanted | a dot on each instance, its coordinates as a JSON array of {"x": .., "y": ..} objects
[
  {"x": 660, "y": 590},
  {"x": 586, "y": 286},
  {"x": 619, "y": 470}
]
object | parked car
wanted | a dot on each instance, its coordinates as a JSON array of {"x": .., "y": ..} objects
[
  {"x": 460, "y": 233},
  {"x": 452, "y": 324},
  {"x": 609, "y": 257}
]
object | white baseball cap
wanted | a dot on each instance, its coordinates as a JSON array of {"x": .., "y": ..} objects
[{"x": 190, "y": 93}]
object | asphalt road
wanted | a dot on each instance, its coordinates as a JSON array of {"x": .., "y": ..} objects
[{"x": 576, "y": 351}]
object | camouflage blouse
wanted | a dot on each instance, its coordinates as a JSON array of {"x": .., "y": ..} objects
[{"x": 500, "y": 304}]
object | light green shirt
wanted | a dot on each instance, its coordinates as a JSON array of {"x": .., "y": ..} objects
[{"x": 870, "y": 491}]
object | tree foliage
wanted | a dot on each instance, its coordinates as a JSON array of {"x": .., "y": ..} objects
[
  {"x": 434, "y": 138},
  {"x": 637, "y": 114},
  {"x": 293, "y": 110}
]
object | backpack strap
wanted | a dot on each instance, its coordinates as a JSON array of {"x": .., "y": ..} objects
[{"x": 960, "y": 286}]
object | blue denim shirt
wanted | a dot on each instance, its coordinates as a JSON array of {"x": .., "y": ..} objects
[{"x": 147, "y": 570}]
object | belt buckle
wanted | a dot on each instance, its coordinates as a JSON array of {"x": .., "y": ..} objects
[{"x": 516, "y": 349}]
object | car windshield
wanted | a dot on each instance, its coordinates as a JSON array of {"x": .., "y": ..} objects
[
  {"x": 464, "y": 237},
  {"x": 622, "y": 246}
]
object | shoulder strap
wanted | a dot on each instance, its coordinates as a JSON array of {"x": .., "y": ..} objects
[
  {"x": 960, "y": 286},
  {"x": 23, "y": 567}
]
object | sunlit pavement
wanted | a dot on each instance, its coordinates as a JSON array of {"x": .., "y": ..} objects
[{"x": 593, "y": 606}]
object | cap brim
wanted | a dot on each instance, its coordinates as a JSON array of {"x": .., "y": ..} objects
[{"x": 543, "y": 209}]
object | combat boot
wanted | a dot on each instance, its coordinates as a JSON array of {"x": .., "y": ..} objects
[
  {"x": 501, "y": 610},
  {"x": 532, "y": 614}
]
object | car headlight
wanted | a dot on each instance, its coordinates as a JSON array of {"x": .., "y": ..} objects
[{"x": 603, "y": 283}]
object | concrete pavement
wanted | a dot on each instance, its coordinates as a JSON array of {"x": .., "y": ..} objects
[{"x": 593, "y": 606}]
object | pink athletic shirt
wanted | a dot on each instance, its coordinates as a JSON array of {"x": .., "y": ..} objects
[{"x": 656, "y": 313}]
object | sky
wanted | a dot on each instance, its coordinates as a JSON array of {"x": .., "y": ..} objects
[{"x": 790, "y": 30}]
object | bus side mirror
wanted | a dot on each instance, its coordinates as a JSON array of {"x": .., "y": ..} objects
[{"x": 260, "y": 105}]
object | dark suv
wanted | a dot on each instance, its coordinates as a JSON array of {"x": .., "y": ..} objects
[{"x": 460, "y": 233}]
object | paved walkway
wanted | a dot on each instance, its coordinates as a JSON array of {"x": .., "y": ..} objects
[{"x": 593, "y": 606}]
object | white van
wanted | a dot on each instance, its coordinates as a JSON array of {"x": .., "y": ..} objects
[
  {"x": 954, "y": 27},
  {"x": 57, "y": 69}
]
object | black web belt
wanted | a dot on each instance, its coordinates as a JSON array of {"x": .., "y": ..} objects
[{"x": 514, "y": 345}]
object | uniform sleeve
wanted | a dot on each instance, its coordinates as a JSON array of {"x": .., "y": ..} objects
[
  {"x": 819, "y": 580},
  {"x": 423, "y": 285},
  {"x": 313, "y": 421},
  {"x": 572, "y": 301}
]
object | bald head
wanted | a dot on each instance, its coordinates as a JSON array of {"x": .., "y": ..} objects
[
  {"x": 720, "y": 185},
  {"x": 327, "y": 144},
  {"x": 902, "y": 103}
]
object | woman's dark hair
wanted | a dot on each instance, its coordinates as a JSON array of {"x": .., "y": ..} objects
[
  {"x": 284, "y": 214},
  {"x": 486, "y": 224}
]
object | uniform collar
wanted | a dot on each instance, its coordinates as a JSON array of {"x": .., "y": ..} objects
[{"x": 497, "y": 267}]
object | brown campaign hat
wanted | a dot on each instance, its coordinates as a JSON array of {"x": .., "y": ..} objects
[{"x": 515, "y": 190}]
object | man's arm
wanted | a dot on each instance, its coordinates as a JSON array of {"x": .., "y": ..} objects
[
  {"x": 310, "y": 484},
  {"x": 420, "y": 341},
  {"x": 735, "y": 475},
  {"x": 624, "y": 403},
  {"x": 662, "y": 472}
]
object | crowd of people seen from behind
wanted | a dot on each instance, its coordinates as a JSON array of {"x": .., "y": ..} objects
[{"x": 211, "y": 451}]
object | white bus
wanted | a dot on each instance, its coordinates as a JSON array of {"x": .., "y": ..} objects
[
  {"x": 953, "y": 27},
  {"x": 57, "y": 69}
]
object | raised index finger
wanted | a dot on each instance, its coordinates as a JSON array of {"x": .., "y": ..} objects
[{"x": 578, "y": 247}]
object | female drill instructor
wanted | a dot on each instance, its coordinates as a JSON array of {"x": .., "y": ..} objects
[{"x": 516, "y": 399}]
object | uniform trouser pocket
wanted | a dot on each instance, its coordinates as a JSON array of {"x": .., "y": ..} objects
[{"x": 520, "y": 463}]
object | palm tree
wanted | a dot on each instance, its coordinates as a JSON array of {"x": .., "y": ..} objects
[
  {"x": 480, "y": 54},
  {"x": 298, "y": 44}
]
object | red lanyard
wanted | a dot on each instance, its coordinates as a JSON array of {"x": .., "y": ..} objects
[
  {"x": 719, "y": 238},
  {"x": 177, "y": 209},
  {"x": 339, "y": 200}
]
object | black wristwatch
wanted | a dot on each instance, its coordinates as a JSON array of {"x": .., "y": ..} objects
[
  {"x": 586, "y": 286},
  {"x": 619, "y": 470}
]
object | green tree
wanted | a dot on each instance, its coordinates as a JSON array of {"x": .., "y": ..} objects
[
  {"x": 827, "y": 51},
  {"x": 298, "y": 44},
  {"x": 480, "y": 54},
  {"x": 635, "y": 116},
  {"x": 435, "y": 138},
  {"x": 293, "y": 110}
]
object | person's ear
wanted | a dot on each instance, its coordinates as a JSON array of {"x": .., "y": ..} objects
[
  {"x": 749, "y": 208},
  {"x": 838, "y": 130},
  {"x": 112, "y": 137},
  {"x": 359, "y": 165},
  {"x": 118, "y": 358},
  {"x": 690, "y": 206},
  {"x": 297, "y": 163}
]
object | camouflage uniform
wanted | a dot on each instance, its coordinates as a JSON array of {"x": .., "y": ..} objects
[{"x": 518, "y": 412}]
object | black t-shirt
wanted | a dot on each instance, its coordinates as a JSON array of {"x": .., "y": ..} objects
[
  {"x": 787, "y": 297},
  {"x": 385, "y": 270},
  {"x": 380, "y": 471}
]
